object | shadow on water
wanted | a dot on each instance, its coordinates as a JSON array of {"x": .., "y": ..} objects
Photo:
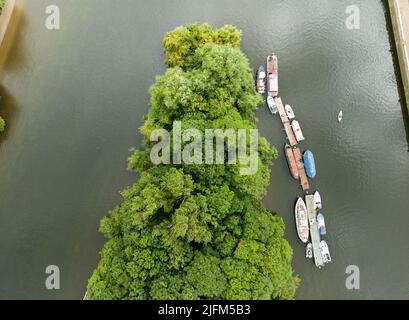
[
  {"x": 8, "y": 104},
  {"x": 396, "y": 67}
]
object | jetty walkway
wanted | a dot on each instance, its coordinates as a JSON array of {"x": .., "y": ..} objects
[{"x": 315, "y": 236}]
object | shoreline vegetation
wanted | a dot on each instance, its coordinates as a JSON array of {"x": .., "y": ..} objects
[
  {"x": 2, "y": 122},
  {"x": 187, "y": 232},
  {"x": 6, "y": 11}
]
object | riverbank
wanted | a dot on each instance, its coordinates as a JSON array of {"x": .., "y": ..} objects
[
  {"x": 399, "y": 11},
  {"x": 5, "y": 18}
]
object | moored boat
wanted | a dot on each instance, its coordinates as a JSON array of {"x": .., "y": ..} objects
[
  {"x": 289, "y": 111},
  {"x": 301, "y": 220},
  {"x": 292, "y": 163},
  {"x": 321, "y": 224},
  {"x": 340, "y": 116},
  {"x": 297, "y": 130},
  {"x": 272, "y": 105},
  {"x": 272, "y": 75},
  {"x": 308, "y": 251},
  {"x": 326, "y": 256},
  {"x": 309, "y": 163},
  {"x": 317, "y": 201},
  {"x": 261, "y": 80}
]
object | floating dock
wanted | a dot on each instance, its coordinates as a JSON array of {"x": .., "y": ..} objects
[
  {"x": 286, "y": 122},
  {"x": 315, "y": 236},
  {"x": 293, "y": 143}
]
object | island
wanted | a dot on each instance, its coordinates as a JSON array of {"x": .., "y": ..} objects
[{"x": 197, "y": 231}]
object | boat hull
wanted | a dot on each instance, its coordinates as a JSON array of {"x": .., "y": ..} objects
[
  {"x": 321, "y": 225},
  {"x": 289, "y": 111},
  {"x": 308, "y": 251},
  {"x": 292, "y": 163},
  {"x": 272, "y": 75},
  {"x": 340, "y": 117},
  {"x": 317, "y": 201},
  {"x": 261, "y": 81},
  {"x": 297, "y": 131},
  {"x": 301, "y": 220},
  {"x": 309, "y": 163},
  {"x": 326, "y": 256},
  {"x": 272, "y": 105}
]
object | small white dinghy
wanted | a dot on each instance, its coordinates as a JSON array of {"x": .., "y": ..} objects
[
  {"x": 308, "y": 251},
  {"x": 340, "y": 116},
  {"x": 317, "y": 201},
  {"x": 326, "y": 256},
  {"x": 289, "y": 111}
]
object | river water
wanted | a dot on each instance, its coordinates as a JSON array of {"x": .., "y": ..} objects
[{"x": 74, "y": 100}]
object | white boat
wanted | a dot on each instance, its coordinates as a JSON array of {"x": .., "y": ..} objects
[
  {"x": 261, "y": 80},
  {"x": 326, "y": 256},
  {"x": 308, "y": 251},
  {"x": 301, "y": 220},
  {"x": 340, "y": 116},
  {"x": 289, "y": 111},
  {"x": 272, "y": 105},
  {"x": 317, "y": 201},
  {"x": 297, "y": 131}
]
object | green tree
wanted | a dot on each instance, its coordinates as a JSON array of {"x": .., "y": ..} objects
[
  {"x": 2, "y": 124},
  {"x": 197, "y": 231}
]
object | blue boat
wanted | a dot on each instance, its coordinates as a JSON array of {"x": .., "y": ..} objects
[
  {"x": 321, "y": 224},
  {"x": 309, "y": 163}
]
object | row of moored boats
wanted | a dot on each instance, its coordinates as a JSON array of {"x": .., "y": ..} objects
[
  {"x": 305, "y": 224},
  {"x": 267, "y": 84}
]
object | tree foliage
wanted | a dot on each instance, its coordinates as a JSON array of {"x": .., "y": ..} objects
[
  {"x": 197, "y": 231},
  {"x": 2, "y": 124}
]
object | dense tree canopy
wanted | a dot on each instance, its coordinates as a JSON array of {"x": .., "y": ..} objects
[{"x": 197, "y": 231}]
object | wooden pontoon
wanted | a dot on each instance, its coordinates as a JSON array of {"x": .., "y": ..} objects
[{"x": 305, "y": 185}]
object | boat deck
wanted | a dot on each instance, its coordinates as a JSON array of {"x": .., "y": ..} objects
[
  {"x": 305, "y": 185},
  {"x": 315, "y": 237}
]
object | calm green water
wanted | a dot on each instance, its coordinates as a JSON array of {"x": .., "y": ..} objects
[{"x": 75, "y": 98}]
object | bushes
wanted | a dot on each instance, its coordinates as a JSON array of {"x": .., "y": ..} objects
[{"x": 197, "y": 231}]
